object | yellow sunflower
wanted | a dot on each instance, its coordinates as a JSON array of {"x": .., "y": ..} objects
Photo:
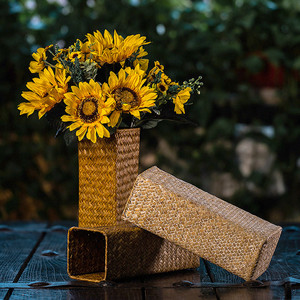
[
  {"x": 182, "y": 97},
  {"x": 155, "y": 70},
  {"x": 85, "y": 49},
  {"x": 61, "y": 52},
  {"x": 137, "y": 70},
  {"x": 82, "y": 54},
  {"x": 129, "y": 94},
  {"x": 40, "y": 57},
  {"x": 143, "y": 64},
  {"x": 87, "y": 111},
  {"x": 45, "y": 91},
  {"x": 113, "y": 49},
  {"x": 162, "y": 87},
  {"x": 106, "y": 40},
  {"x": 73, "y": 54},
  {"x": 140, "y": 60}
]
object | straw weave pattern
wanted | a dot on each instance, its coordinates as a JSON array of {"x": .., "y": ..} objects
[
  {"x": 107, "y": 170},
  {"x": 109, "y": 253},
  {"x": 202, "y": 223}
]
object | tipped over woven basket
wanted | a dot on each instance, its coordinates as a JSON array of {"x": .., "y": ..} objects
[
  {"x": 202, "y": 223},
  {"x": 107, "y": 171},
  {"x": 114, "y": 252}
]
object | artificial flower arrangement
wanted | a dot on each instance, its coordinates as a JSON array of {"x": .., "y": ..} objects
[{"x": 96, "y": 86}]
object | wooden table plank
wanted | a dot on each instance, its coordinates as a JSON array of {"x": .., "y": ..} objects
[
  {"x": 78, "y": 294},
  {"x": 171, "y": 279},
  {"x": 178, "y": 293},
  {"x": 285, "y": 262},
  {"x": 22, "y": 226},
  {"x": 107, "y": 294},
  {"x": 295, "y": 294},
  {"x": 22, "y": 294},
  {"x": 176, "y": 285},
  {"x": 49, "y": 262},
  {"x": 3, "y": 293},
  {"x": 16, "y": 243}
]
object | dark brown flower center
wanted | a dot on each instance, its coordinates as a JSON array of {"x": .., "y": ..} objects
[
  {"x": 88, "y": 110},
  {"x": 125, "y": 96},
  {"x": 162, "y": 87}
]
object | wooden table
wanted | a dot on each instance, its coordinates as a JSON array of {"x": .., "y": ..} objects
[{"x": 33, "y": 265}]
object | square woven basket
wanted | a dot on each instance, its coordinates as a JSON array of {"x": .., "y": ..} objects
[
  {"x": 107, "y": 171},
  {"x": 202, "y": 223},
  {"x": 121, "y": 251}
]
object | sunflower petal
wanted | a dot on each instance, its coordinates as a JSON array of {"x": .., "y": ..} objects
[
  {"x": 135, "y": 113},
  {"x": 93, "y": 134},
  {"x": 114, "y": 118},
  {"x": 106, "y": 132},
  {"x": 81, "y": 135},
  {"x": 74, "y": 126},
  {"x": 99, "y": 129}
]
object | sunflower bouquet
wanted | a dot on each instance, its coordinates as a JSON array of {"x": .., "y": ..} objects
[{"x": 94, "y": 87}]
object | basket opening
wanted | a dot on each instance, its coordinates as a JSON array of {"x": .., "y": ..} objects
[{"x": 87, "y": 254}]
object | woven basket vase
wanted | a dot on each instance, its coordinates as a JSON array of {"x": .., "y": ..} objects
[
  {"x": 107, "y": 171},
  {"x": 122, "y": 251}
]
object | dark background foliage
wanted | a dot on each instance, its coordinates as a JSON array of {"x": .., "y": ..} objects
[{"x": 246, "y": 146}]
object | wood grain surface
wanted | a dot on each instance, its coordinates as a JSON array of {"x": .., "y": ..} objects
[
  {"x": 18, "y": 242},
  {"x": 33, "y": 264},
  {"x": 48, "y": 264}
]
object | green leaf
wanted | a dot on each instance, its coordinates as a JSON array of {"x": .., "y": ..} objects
[
  {"x": 111, "y": 130},
  {"x": 77, "y": 46},
  {"x": 155, "y": 110},
  {"x": 157, "y": 77},
  {"x": 75, "y": 70},
  {"x": 70, "y": 137},
  {"x": 53, "y": 116},
  {"x": 89, "y": 69},
  {"x": 173, "y": 89},
  {"x": 151, "y": 124}
]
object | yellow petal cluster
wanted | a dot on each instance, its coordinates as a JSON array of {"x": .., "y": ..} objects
[
  {"x": 87, "y": 110},
  {"x": 182, "y": 97},
  {"x": 38, "y": 64},
  {"x": 128, "y": 93},
  {"x": 44, "y": 91},
  {"x": 126, "y": 90},
  {"x": 164, "y": 80},
  {"x": 82, "y": 54},
  {"x": 115, "y": 49}
]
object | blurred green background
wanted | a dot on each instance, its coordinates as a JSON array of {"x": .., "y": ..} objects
[{"x": 246, "y": 147}]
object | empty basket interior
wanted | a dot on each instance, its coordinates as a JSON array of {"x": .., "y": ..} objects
[{"x": 86, "y": 257}]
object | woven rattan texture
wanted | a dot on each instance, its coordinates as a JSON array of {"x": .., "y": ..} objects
[
  {"x": 202, "y": 223},
  {"x": 127, "y": 165},
  {"x": 114, "y": 252},
  {"x": 107, "y": 171}
]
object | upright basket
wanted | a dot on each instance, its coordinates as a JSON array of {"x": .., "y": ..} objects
[{"x": 107, "y": 171}]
